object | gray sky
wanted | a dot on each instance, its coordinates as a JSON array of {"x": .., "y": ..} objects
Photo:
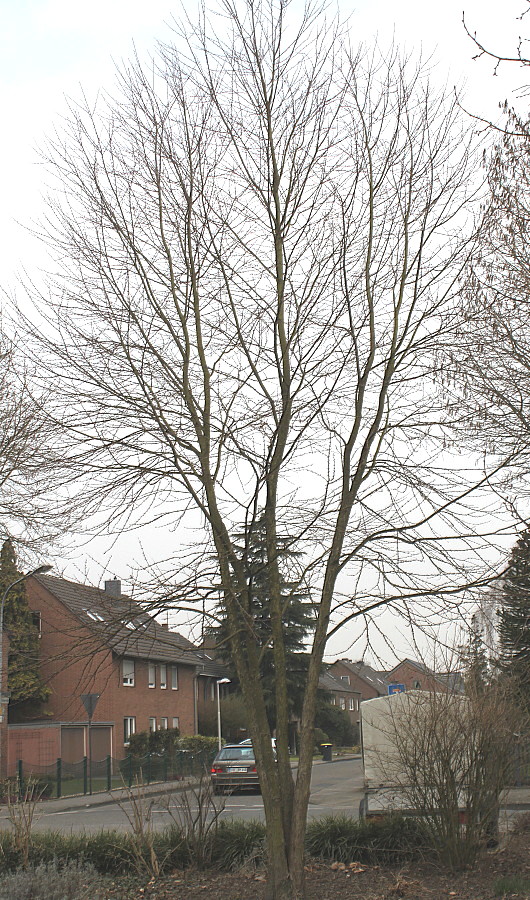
[{"x": 50, "y": 49}]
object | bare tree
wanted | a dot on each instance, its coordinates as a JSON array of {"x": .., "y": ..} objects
[
  {"x": 30, "y": 512},
  {"x": 259, "y": 244},
  {"x": 491, "y": 358}
]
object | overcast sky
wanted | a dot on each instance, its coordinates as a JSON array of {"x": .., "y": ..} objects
[{"x": 50, "y": 49}]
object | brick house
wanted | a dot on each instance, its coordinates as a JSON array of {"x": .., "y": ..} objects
[
  {"x": 342, "y": 695},
  {"x": 418, "y": 677},
  {"x": 360, "y": 677},
  {"x": 96, "y": 641}
]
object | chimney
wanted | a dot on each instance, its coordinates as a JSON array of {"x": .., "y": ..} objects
[{"x": 113, "y": 588}]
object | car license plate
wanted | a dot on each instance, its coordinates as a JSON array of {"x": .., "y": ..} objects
[{"x": 237, "y": 769}]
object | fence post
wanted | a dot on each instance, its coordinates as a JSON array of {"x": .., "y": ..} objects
[
  {"x": 59, "y": 776},
  {"x": 85, "y": 775},
  {"x": 130, "y": 770},
  {"x": 20, "y": 776},
  {"x": 165, "y": 765},
  {"x": 109, "y": 775},
  {"x": 148, "y": 779}
]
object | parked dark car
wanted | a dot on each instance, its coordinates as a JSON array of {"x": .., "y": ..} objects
[{"x": 234, "y": 767}]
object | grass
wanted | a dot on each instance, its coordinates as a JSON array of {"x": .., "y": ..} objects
[{"x": 511, "y": 885}]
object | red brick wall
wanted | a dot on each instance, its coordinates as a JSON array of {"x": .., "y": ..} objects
[
  {"x": 74, "y": 663},
  {"x": 33, "y": 744},
  {"x": 407, "y": 674},
  {"x": 367, "y": 691}
]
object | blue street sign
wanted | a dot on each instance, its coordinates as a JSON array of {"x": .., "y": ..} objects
[{"x": 396, "y": 688}]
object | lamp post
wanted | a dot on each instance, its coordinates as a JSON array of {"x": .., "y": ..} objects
[
  {"x": 40, "y": 570},
  {"x": 218, "y": 682}
]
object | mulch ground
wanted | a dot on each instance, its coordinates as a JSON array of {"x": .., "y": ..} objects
[{"x": 414, "y": 881}]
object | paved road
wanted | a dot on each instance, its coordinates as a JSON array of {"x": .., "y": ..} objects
[{"x": 335, "y": 789}]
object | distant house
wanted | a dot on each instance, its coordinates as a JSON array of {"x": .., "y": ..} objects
[
  {"x": 417, "y": 676},
  {"x": 342, "y": 695},
  {"x": 360, "y": 677},
  {"x": 96, "y": 641}
]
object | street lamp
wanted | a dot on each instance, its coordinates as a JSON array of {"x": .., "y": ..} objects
[
  {"x": 218, "y": 682},
  {"x": 40, "y": 570}
]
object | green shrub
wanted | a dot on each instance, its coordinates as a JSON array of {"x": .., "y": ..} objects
[
  {"x": 197, "y": 743},
  {"x": 337, "y": 724},
  {"x": 72, "y": 880},
  {"x": 511, "y": 885},
  {"x": 320, "y": 737},
  {"x": 236, "y": 843},
  {"x": 164, "y": 741},
  {"x": 344, "y": 839}
]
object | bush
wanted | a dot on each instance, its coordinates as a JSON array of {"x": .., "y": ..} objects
[
  {"x": 52, "y": 881},
  {"x": 237, "y": 843},
  {"x": 320, "y": 737},
  {"x": 344, "y": 839},
  {"x": 197, "y": 743},
  {"x": 143, "y": 742},
  {"x": 336, "y": 723}
]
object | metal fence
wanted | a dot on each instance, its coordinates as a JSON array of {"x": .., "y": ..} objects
[{"x": 65, "y": 779}]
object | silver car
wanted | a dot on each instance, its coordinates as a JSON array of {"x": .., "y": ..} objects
[{"x": 234, "y": 767}]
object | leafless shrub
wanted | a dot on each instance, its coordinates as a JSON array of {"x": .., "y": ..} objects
[
  {"x": 21, "y": 812},
  {"x": 139, "y": 812},
  {"x": 196, "y": 816},
  {"x": 447, "y": 756}
]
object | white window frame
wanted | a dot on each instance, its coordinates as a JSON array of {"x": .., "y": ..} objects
[
  {"x": 176, "y": 722},
  {"x": 174, "y": 674},
  {"x": 129, "y": 728},
  {"x": 352, "y": 704},
  {"x": 342, "y": 702},
  {"x": 345, "y": 678},
  {"x": 127, "y": 672},
  {"x": 151, "y": 675},
  {"x": 152, "y": 724},
  {"x": 163, "y": 723},
  {"x": 163, "y": 676}
]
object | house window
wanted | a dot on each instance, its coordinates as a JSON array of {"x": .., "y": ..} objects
[
  {"x": 163, "y": 723},
  {"x": 333, "y": 700},
  {"x": 175, "y": 722},
  {"x": 129, "y": 727},
  {"x": 352, "y": 703},
  {"x": 163, "y": 676},
  {"x": 127, "y": 669},
  {"x": 37, "y": 622},
  {"x": 345, "y": 678},
  {"x": 342, "y": 703},
  {"x": 94, "y": 615},
  {"x": 174, "y": 678},
  {"x": 416, "y": 685},
  {"x": 152, "y": 675},
  {"x": 152, "y": 723}
]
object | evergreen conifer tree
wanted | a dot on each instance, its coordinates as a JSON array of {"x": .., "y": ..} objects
[
  {"x": 514, "y": 618},
  {"x": 474, "y": 661},
  {"x": 298, "y": 617},
  {"x": 24, "y": 682}
]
